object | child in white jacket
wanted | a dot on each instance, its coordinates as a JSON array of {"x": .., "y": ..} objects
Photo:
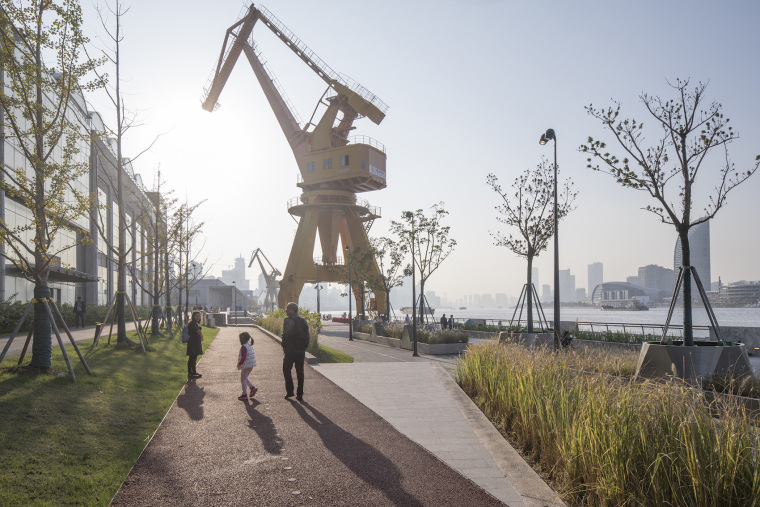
[{"x": 246, "y": 362}]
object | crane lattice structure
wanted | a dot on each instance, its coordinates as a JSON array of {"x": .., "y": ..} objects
[
  {"x": 333, "y": 166},
  {"x": 273, "y": 285}
]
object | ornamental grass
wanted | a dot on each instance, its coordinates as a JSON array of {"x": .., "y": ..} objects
[{"x": 610, "y": 441}]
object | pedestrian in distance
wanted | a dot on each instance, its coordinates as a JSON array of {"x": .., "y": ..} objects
[
  {"x": 79, "y": 309},
  {"x": 246, "y": 363},
  {"x": 293, "y": 329},
  {"x": 194, "y": 345},
  {"x": 444, "y": 322},
  {"x": 451, "y": 321},
  {"x": 407, "y": 320}
]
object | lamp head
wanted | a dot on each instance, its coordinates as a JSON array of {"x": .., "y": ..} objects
[
  {"x": 348, "y": 248},
  {"x": 408, "y": 214},
  {"x": 548, "y": 136}
]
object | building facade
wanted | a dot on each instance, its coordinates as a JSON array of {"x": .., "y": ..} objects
[
  {"x": 595, "y": 275},
  {"x": 87, "y": 269}
]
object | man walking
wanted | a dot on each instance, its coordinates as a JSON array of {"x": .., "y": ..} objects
[
  {"x": 444, "y": 322},
  {"x": 79, "y": 308},
  {"x": 295, "y": 353}
]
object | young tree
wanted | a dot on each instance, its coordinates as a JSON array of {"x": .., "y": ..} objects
[
  {"x": 689, "y": 131},
  {"x": 124, "y": 121},
  {"x": 432, "y": 244},
  {"x": 390, "y": 260},
  {"x": 531, "y": 211},
  {"x": 44, "y": 120}
]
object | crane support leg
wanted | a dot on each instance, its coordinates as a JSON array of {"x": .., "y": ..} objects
[{"x": 332, "y": 222}]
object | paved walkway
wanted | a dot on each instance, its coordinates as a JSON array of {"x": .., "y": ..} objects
[
  {"x": 330, "y": 450},
  {"x": 419, "y": 397}
]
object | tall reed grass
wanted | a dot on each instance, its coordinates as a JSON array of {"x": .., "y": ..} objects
[{"x": 609, "y": 441}]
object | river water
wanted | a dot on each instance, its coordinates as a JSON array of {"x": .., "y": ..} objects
[{"x": 741, "y": 317}]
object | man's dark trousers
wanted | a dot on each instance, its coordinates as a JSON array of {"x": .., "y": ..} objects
[
  {"x": 287, "y": 365},
  {"x": 78, "y": 317}
]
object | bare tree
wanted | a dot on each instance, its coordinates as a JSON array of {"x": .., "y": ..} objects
[
  {"x": 531, "y": 210},
  {"x": 43, "y": 120},
  {"x": 690, "y": 131},
  {"x": 432, "y": 244},
  {"x": 124, "y": 121}
]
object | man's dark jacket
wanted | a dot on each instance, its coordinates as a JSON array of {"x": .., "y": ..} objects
[{"x": 289, "y": 330}]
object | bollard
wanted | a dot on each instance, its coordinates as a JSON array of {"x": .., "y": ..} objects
[{"x": 98, "y": 325}]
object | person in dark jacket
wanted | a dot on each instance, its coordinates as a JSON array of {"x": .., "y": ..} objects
[
  {"x": 79, "y": 309},
  {"x": 293, "y": 356},
  {"x": 194, "y": 346}
]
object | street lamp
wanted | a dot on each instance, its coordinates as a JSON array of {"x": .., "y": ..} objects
[
  {"x": 234, "y": 295},
  {"x": 195, "y": 281},
  {"x": 410, "y": 216},
  {"x": 350, "y": 318},
  {"x": 545, "y": 138},
  {"x": 318, "y": 288}
]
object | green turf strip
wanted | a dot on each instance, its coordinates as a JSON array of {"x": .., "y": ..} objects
[{"x": 65, "y": 443}]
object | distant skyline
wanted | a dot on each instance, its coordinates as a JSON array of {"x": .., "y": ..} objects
[{"x": 471, "y": 86}]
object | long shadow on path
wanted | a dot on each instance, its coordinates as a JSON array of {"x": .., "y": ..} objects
[
  {"x": 369, "y": 464},
  {"x": 265, "y": 428},
  {"x": 191, "y": 400}
]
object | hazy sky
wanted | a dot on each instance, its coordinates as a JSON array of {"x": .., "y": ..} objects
[{"x": 471, "y": 86}]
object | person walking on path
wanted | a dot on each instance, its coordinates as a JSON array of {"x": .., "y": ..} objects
[
  {"x": 246, "y": 362},
  {"x": 291, "y": 327},
  {"x": 444, "y": 322},
  {"x": 194, "y": 345},
  {"x": 451, "y": 321},
  {"x": 79, "y": 309}
]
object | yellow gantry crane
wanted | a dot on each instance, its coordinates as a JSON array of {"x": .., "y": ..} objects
[
  {"x": 270, "y": 276},
  {"x": 333, "y": 166}
]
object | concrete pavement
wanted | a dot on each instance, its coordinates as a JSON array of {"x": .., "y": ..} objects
[{"x": 419, "y": 397}]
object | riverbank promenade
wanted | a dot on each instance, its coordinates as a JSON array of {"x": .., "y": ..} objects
[{"x": 374, "y": 432}]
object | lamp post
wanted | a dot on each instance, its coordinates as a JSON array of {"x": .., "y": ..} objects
[
  {"x": 410, "y": 216},
  {"x": 545, "y": 138},
  {"x": 350, "y": 318},
  {"x": 318, "y": 289},
  {"x": 234, "y": 305}
]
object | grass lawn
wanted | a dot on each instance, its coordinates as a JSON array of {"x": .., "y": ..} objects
[
  {"x": 65, "y": 443},
  {"x": 328, "y": 355}
]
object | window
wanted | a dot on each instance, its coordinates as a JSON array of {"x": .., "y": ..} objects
[
  {"x": 343, "y": 160},
  {"x": 364, "y": 165},
  {"x": 310, "y": 167},
  {"x": 327, "y": 163}
]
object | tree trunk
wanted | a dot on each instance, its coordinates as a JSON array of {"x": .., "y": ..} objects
[
  {"x": 42, "y": 352},
  {"x": 387, "y": 305},
  {"x": 422, "y": 302},
  {"x": 688, "y": 331},
  {"x": 529, "y": 295}
]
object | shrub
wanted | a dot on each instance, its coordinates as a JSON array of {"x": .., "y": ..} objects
[
  {"x": 364, "y": 328},
  {"x": 272, "y": 322},
  {"x": 393, "y": 330}
]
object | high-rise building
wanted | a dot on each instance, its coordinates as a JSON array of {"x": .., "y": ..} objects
[
  {"x": 699, "y": 246},
  {"x": 546, "y": 293},
  {"x": 657, "y": 277},
  {"x": 580, "y": 294},
  {"x": 236, "y": 274},
  {"x": 595, "y": 276},
  {"x": 632, "y": 279},
  {"x": 567, "y": 287}
]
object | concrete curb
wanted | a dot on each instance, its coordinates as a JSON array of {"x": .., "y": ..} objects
[
  {"x": 310, "y": 359},
  {"x": 531, "y": 487}
]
